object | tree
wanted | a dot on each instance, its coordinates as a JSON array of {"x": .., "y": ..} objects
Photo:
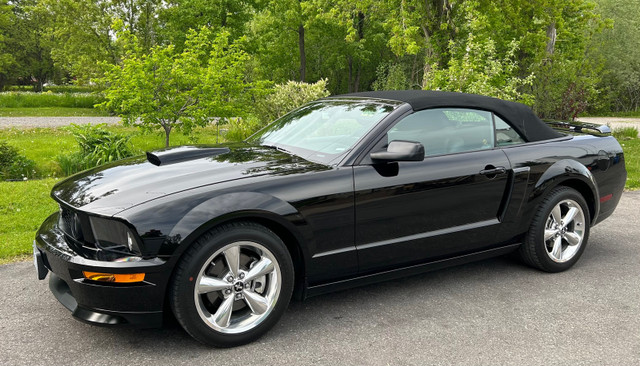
[
  {"x": 617, "y": 47},
  {"x": 168, "y": 89},
  {"x": 82, "y": 30},
  {"x": 6, "y": 57},
  {"x": 31, "y": 43}
]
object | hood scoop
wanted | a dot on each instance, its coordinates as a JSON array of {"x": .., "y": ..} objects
[{"x": 183, "y": 153}]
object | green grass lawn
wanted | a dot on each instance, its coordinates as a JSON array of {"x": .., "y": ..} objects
[
  {"x": 52, "y": 112},
  {"x": 23, "y": 207},
  {"x": 631, "y": 149},
  {"x": 42, "y": 145}
]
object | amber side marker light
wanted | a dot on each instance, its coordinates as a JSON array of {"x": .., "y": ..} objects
[{"x": 114, "y": 277}]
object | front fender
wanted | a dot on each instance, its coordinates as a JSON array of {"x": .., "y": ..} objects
[{"x": 235, "y": 205}]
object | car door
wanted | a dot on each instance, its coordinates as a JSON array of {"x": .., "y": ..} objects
[{"x": 446, "y": 205}]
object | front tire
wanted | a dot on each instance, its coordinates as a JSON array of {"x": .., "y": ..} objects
[
  {"x": 559, "y": 231},
  {"x": 232, "y": 285}
]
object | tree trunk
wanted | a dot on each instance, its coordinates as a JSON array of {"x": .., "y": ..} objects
[
  {"x": 167, "y": 131},
  {"x": 350, "y": 63},
  {"x": 303, "y": 57},
  {"x": 551, "y": 39}
]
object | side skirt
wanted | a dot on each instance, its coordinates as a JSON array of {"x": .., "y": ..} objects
[{"x": 407, "y": 271}]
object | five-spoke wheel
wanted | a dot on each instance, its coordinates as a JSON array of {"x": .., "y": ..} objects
[
  {"x": 564, "y": 230},
  {"x": 559, "y": 231},
  {"x": 237, "y": 287},
  {"x": 233, "y": 284}
]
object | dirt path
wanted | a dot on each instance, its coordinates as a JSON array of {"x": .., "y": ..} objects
[
  {"x": 33, "y": 122},
  {"x": 614, "y": 122}
]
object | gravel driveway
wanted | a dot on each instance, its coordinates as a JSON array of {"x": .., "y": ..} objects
[
  {"x": 494, "y": 312},
  {"x": 33, "y": 122},
  {"x": 614, "y": 122}
]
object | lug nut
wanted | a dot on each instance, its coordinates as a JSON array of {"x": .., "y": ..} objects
[
  {"x": 241, "y": 275},
  {"x": 230, "y": 279},
  {"x": 227, "y": 291}
]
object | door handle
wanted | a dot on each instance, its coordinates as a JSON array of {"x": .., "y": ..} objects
[{"x": 492, "y": 170}]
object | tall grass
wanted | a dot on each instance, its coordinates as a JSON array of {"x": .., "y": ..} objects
[
  {"x": 625, "y": 133},
  {"x": 37, "y": 100}
]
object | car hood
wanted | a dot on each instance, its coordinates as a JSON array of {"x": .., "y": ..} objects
[{"x": 111, "y": 188}]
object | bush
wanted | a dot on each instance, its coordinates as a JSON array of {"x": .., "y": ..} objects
[
  {"x": 15, "y": 166},
  {"x": 37, "y": 100},
  {"x": 58, "y": 89},
  {"x": 97, "y": 146},
  {"x": 289, "y": 96},
  {"x": 625, "y": 133}
]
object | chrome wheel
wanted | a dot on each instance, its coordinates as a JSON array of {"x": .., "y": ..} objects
[
  {"x": 564, "y": 230},
  {"x": 238, "y": 287}
]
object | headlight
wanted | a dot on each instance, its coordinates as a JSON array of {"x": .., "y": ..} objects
[{"x": 110, "y": 233}]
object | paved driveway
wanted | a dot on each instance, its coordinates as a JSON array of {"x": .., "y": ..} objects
[{"x": 488, "y": 313}]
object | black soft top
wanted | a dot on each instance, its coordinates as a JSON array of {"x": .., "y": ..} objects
[{"x": 521, "y": 117}]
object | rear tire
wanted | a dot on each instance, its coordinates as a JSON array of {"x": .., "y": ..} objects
[
  {"x": 232, "y": 285},
  {"x": 559, "y": 231}
]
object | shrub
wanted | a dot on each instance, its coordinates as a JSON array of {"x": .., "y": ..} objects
[
  {"x": 97, "y": 146},
  {"x": 54, "y": 88},
  {"x": 15, "y": 166},
  {"x": 289, "y": 96}
]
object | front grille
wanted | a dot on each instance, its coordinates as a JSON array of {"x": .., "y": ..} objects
[{"x": 70, "y": 224}]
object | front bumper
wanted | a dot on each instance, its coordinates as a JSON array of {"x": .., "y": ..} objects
[{"x": 108, "y": 304}]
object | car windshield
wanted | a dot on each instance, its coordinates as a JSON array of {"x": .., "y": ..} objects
[{"x": 324, "y": 131}]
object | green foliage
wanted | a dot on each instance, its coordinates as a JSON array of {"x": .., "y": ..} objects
[
  {"x": 479, "y": 71},
  {"x": 625, "y": 133},
  {"x": 13, "y": 165},
  {"x": 618, "y": 47},
  {"x": 168, "y": 89},
  {"x": 288, "y": 96},
  {"x": 48, "y": 99},
  {"x": 97, "y": 146},
  {"x": 391, "y": 76}
]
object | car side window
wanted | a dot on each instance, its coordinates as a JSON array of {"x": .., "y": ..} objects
[
  {"x": 505, "y": 134},
  {"x": 446, "y": 130}
]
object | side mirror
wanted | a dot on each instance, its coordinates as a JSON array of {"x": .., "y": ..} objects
[{"x": 399, "y": 150}]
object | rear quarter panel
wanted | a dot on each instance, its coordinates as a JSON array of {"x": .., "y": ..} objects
[{"x": 593, "y": 165}]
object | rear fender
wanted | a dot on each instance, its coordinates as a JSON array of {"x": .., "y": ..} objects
[{"x": 573, "y": 174}]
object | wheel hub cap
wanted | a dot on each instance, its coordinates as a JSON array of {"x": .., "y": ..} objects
[
  {"x": 564, "y": 231},
  {"x": 237, "y": 287}
]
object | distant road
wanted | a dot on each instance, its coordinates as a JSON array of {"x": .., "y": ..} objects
[
  {"x": 614, "y": 122},
  {"x": 33, "y": 122}
]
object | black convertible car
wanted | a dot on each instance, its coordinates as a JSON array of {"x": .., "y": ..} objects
[{"x": 344, "y": 191}]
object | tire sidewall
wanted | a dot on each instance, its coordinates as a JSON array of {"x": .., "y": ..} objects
[
  {"x": 184, "y": 283},
  {"x": 540, "y": 247}
]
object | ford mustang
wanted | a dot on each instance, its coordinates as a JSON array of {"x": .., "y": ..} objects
[{"x": 344, "y": 191}]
